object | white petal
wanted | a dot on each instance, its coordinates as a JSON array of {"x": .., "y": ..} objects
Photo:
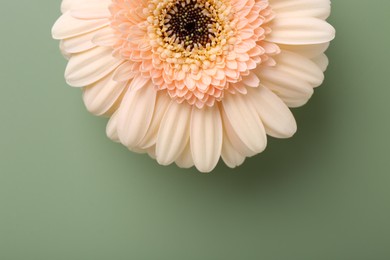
[
  {"x": 135, "y": 114},
  {"x": 206, "y": 137},
  {"x": 92, "y": 10},
  {"x": 251, "y": 80},
  {"x": 111, "y": 128},
  {"x": 277, "y": 118},
  {"x": 64, "y": 53},
  {"x": 300, "y": 67},
  {"x": 185, "y": 159},
  {"x": 162, "y": 103},
  {"x": 309, "y": 51},
  {"x": 79, "y": 43},
  {"x": 301, "y": 8},
  {"x": 322, "y": 61},
  {"x": 105, "y": 37},
  {"x": 243, "y": 126},
  {"x": 152, "y": 152},
  {"x": 137, "y": 150},
  {"x": 293, "y": 96},
  {"x": 88, "y": 67},
  {"x": 67, "y": 26},
  {"x": 293, "y": 91},
  {"x": 300, "y": 31},
  {"x": 174, "y": 133},
  {"x": 230, "y": 155},
  {"x": 292, "y": 78},
  {"x": 67, "y": 5},
  {"x": 102, "y": 95}
]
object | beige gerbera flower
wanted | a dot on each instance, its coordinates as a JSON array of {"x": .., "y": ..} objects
[{"x": 190, "y": 81}]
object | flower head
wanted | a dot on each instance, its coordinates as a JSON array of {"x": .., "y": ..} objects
[{"x": 190, "y": 81}]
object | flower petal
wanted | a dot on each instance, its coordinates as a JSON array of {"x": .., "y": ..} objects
[
  {"x": 79, "y": 43},
  {"x": 88, "y": 67},
  {"x": 300, "y": 31},
  {"x": 135, "y": 114},
  {"x": 138, "y": 82},
  {"x": 67, "y": 5},
  {"x": 277, "y": 118},
  {"x": 300, "y": 67},
  {"x": 173, "y": 134},
  {"x": 206, "y": 137},
  {"x": 309, "y": 51},
  {"x": 105, "y": 37},
  {"x": 162, "y": 103},
  {"x": 93, "y": 10},
  {"x": 322, "y": 61},
  {"x": 102, "y": 95},
  {"x": 292, "y": 78},
  {"x": 302, "y": 8},
  {"x": 111, "y": 128},
  {"x": 67, "y": 26},
  {"x": 185, "y": 159},
  {"x": 152, "y": 152},
  {"x": 243, "y": 125},
  {"x": 229, "y": 154}
]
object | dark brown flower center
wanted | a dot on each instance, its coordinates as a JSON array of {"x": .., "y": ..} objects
[{"x": 188, "y": 23}]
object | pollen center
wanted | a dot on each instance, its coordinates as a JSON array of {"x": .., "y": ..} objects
[
  {"x": 188, "y": 22},
  {"x": 198, "y": 50}
]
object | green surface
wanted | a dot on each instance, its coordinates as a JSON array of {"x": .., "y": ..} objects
[{"x": 67, "y": 192}]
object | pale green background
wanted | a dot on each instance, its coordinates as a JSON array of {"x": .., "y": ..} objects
[{"x": 67, "y": 192}]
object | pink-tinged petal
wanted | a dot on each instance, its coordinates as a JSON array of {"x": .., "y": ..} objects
[
  {"x": 243, "y": 126},
  {"x": 67, "y": 26},
  {"x": 300, "y": 31},
  {"x": 139, "y": 82},
  {"x": 88, "y": 67},
  {"x": 190, "y": 83},
  {"x": 173, "y": 134},
  {"x": 206, "y": 137},
  {"x": 239, "y": 4},
  {"x": 102, "y": 95},
  {"x": 277, "y": 118},
  {"x": 251, "y": 80},
  {"x": 135, "y": 114}
]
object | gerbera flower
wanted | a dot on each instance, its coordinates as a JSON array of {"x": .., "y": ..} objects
[{"x": 190, "y": 81}]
